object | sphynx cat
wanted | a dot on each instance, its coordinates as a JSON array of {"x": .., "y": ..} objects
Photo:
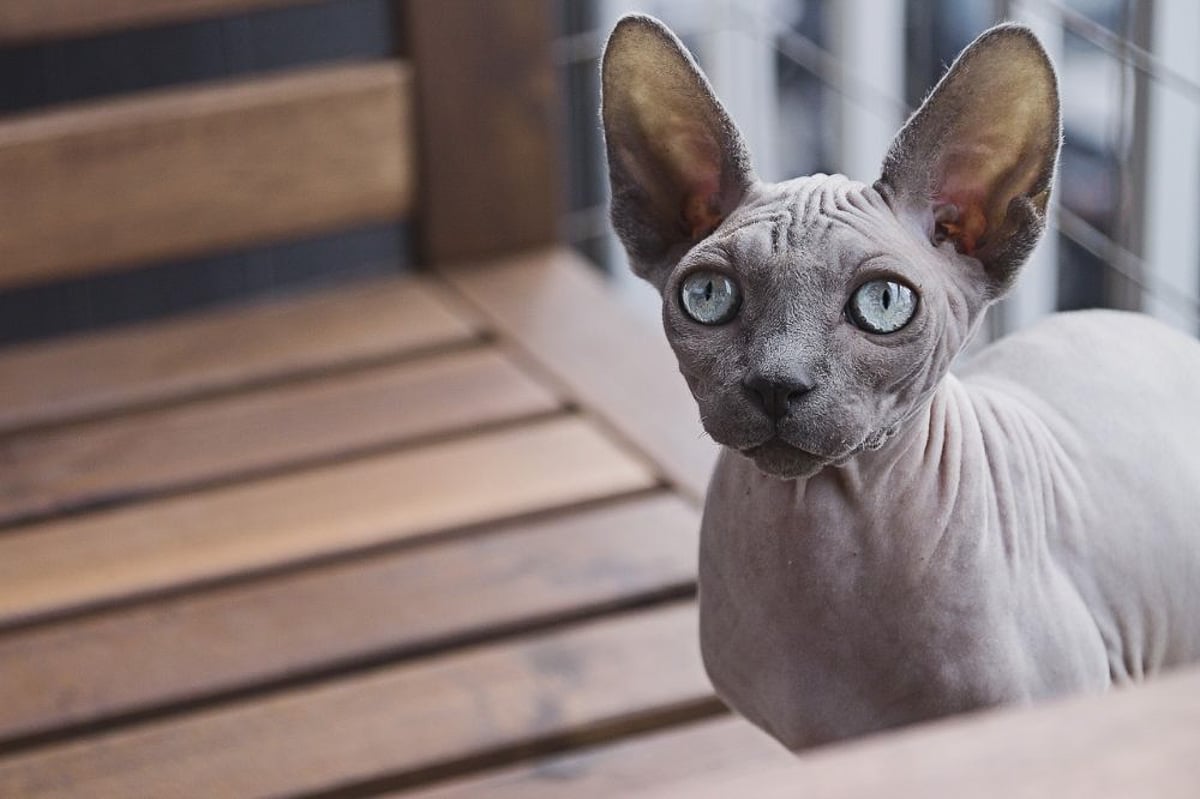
[{"x": 884, "y": 540}]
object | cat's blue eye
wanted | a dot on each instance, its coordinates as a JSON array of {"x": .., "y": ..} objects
[
  {"x": 710, "y": 298},
  {"x": 882, "y": 306}
]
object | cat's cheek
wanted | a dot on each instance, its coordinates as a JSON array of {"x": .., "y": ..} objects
[
  {"x": 702, "y": 391},
  {"x": 730, "y": 421},
  {"x": 693, "y": 382}
]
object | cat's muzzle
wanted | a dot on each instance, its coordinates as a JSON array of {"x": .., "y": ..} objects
[{"x": 780, "y": 459}]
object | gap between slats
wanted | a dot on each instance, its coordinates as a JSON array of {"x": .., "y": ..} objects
[
  {"x": 208, "y": 354},
  {"x": 72, "y": 678},
  {"x": 553, "y": 306},
  {"x": 58, "y": 567},
  {"x": 234, "y": 438},
  {"x": 626, "y": 767},
  {"x": 383, "y": 730}
]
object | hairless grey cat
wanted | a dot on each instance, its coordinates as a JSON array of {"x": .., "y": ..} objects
[{"x": 885, "y": 541}]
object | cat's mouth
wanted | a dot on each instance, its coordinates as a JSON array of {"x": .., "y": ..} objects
[{"x": 780, "y": 459}]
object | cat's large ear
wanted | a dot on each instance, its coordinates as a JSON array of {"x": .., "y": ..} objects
[
  {"x": 975, "y": 163},
  {"x": 677, "y": 163}
]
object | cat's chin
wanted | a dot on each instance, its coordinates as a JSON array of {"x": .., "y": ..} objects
[{"x": 779, "y": 459}]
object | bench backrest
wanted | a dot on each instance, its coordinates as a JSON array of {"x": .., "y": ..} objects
[{"x": 458, "y": 131}]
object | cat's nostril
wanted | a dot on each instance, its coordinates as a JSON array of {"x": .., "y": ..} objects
[{"x": 775, "y": 395}]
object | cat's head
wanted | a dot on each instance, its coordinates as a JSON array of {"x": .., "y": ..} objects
[{"x": 811, "y": 317}]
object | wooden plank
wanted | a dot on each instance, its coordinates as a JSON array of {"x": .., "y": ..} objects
[
  {"x": 230, "y": 438},
  {"x": 560, "y": 311},
  {"x": 200, "y": 644},
  {"x": 1141, "y": 741},
  {"x": 489, "y": 125},
  {"x": 25, "y": 20},
  {"x": 83, "y": 561},
  {"x": 627, "y": 768},
  {"x": 216, "y": 351},
  {"x": 394, "y": 722},
  {"x": 182, "y": 172}
]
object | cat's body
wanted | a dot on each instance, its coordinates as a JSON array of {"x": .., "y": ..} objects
[
  {"x": 919, "y": 580},
  {"x": 885, "y": 541}
]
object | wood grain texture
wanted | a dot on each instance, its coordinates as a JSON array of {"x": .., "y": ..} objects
[
  {"x": 558, "y": 309},
  {"x": 1143, "y": 742},
  {"x": 182, "y": 172},
  {"x": 489, "y": 125},
  {"x": 226, "y": 439},
  {"x": 390, "y": 722},
  {"x": 24, "y": 20},
  {"x": 105, "y": 556},
  {"x": 215, "y": 351},
  {"x": 195, "y": 645},
  {"x": 628, "y": 768}
]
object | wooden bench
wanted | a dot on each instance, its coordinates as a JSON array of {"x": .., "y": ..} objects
[
  {"x": 357, "y": 538},
  {"x": 433, "y": 532}
]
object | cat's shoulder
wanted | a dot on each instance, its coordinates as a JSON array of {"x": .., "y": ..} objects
[
  {"x": 1102, "y": 322},
  {"x": 1062, "y": 344}
]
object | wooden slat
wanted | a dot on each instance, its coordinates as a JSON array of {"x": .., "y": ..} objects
[
  {"x": 489, "y": 122},
  {"x": 105, "y": 556},
  {"x": 182, "y": 172},
  {"x": 99, "y": 373},
  {"x": 1142, "y": 742},
  {"x": 23, "y": 20},
  {"x": 390, "y": 722},
  {"x": 200, "y": 644},
  {"x": 627, "y": 768},
  {"x": 615, "y": 362},
  {"x": 226, "y": 439}
]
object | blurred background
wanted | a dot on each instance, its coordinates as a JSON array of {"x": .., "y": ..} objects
[
  {"x": 815, "y": 85},
  {"x": 340, "y": 454}
]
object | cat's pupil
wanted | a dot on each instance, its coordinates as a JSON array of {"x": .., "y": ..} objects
[
  {"x": 887, "y": 299},
  {"x": 709, "y": 298}
]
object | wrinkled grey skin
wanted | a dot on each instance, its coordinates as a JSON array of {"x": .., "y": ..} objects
[{"x": 906, "y": 542}]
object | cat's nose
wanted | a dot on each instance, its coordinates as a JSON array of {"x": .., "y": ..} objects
[{"x": 776, "y": 393}]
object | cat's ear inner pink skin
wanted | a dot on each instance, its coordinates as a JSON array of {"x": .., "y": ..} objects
[
  {"x": 974, "y": 164},
  {"x": 677, "y": 163}
]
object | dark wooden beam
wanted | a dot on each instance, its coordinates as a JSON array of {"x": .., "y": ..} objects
[{"x": 489, "y": 125}]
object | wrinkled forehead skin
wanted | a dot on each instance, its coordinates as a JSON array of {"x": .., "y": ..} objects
[{"x": 800, "y": 247}]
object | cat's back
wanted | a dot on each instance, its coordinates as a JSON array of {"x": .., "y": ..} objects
[
  {"x": 1109, "y": 386},
  {"x": 1110, "y": 399},
  {"x": 1076, "y": 360}
]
